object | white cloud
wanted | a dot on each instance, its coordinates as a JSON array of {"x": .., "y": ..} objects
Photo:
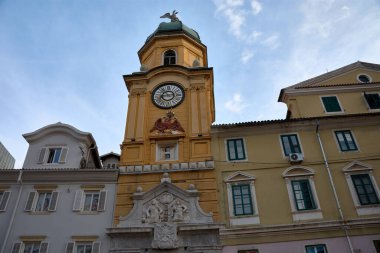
[
  {"x": 253, "y": 37},
  {"x": 236, "y": 104},
  {"x": 272, "y": 42},
  {"x": 246, "y": 56},
  {"x": 256, "y": 7}
]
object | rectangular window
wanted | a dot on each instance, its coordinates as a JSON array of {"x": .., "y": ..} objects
[
  {"x": 303, "y": 195},
  {"x": 364, "y": 189},
  {"x": 331, "y": 104},
  {"x": 235, "y": 149},
  {"x": 373, "y": 100},
  {"x": 242, "y": 199},
  {"x": 4, "y": 196},
  {"x": 320, "y": 248},
  {"x": 41, "y": 201},
  {"x": 83, "y": 247},
  {"x": 30, "y": 247},
  {"x": 290, "y": 144},
  {"x": 51, "y": 155},
  {"x": 345, "y": 140},
  {"x": 90, "y": 201},
  {"x": 54, "y": 155},
  {"x": 167, "y": 151}
]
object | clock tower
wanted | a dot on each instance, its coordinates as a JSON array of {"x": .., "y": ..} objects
[{"x": 167, "y": 175}]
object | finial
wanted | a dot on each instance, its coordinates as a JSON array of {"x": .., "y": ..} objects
[{"x": 172, "y": 17}]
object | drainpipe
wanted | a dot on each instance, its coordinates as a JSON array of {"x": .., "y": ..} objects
[
  {"x": 333, "y": 187},
  {"x": 19, "y": 181}
]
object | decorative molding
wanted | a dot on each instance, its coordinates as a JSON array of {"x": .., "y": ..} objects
[
  {"x": 167, "y": 167},
  {"x": 84, "y": 238},
  {"x": 29, "y": 238},
  {"x": 138, "y": 91},
  {"x": 45, "y": 187},
  {"x": 93, "y": 187}
]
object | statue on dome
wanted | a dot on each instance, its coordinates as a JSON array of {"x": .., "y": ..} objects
[
  {"x": 173, "y": 17},
  {"x": 167, "y": 124}
]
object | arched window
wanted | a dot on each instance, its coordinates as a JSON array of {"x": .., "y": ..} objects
[{"x": 169, "y": 57}]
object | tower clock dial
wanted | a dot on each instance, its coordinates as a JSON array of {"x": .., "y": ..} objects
[{"x": 168, "y": 95}]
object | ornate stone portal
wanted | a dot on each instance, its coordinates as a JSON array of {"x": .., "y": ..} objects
[{"x": 166, "y": 218}]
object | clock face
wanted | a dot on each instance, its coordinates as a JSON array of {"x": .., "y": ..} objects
[{"x": 168, "y": 95}]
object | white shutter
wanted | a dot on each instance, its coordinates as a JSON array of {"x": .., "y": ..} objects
[
  {"x": 53, "y": 201},
  {"x": 102, "y": 201},
  {"x": 4, "y": 200},
  {"x": 77, "y": 206},
  {"x": 44, "y": 247},
  {"x": 64, "y": 151},
  {"x": 16, "y": 247},
  {"x": 42, "y": 155},
  {"x": 30, "y": 201},
  {"x": 70, "y": 247},
  {"x": 96, "y": 247}
]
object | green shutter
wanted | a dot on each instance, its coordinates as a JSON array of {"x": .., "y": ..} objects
[{"x": 331, "y": 104}]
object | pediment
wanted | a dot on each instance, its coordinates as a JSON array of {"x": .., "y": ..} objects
[
  {"x": 165, "y": 203},
  {"x": 295, "y": 171},
  {"x": 239, "y": 176},
  {"x": 356, "y": 166}
]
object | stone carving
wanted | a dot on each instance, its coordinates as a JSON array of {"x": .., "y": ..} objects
[
  {"x": 178, "y": 211},
  {"x": 173, "y": 17},
  {"x": 154, "y": 212},
  {"x": 167, "y": 124},
  {"x": 165, "y": 236}
]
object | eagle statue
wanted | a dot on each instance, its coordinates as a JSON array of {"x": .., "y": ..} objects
[{"x": 173, "y": 16}]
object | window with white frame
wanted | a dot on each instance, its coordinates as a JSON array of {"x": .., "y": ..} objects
[
  {"x": 373, "y": 100},
  {"x": 241, "y": 194},
  {"x": 331, "y": 104},
  {"x": 290, "y": 144},
  {"x": 302, "y": 193},
  {"x": 41, "y": 201},
  {"x": 30, "y": 247},
  {"x": 83, "y": 247},
  {"x": 4, "y": 197},
  {"x": 90, "y": 200},
  {"x": 363, "y": 188},
  {"x": 169, "y": 57},
  {"x": 52, "y": 155},
  {"x": 319, "y": 248},
  {"x": 235, "y": 149},
  {"x": 167, "y": 151},
  {"x": 345, "y": 140}
]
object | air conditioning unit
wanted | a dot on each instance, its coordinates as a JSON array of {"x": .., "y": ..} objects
[{"x": 295, "y": 157}]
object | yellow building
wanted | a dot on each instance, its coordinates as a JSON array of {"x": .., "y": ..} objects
[{"x": 308, "y": 183}]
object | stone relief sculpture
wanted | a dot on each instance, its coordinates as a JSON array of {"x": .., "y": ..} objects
[
  {"x": 167, "y": 124},
  {"x": 178, "y": 211},
  {"x": 165, "y": 236},
  {"x": 153, "y": 213}
]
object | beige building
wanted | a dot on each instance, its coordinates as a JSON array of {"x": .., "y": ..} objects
[{"x": 308, "y": 183}]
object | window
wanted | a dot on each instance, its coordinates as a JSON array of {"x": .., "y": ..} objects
[
  {"x": 242, "y": 199},
  {"x": 364, "y": 78},
  {"x": 290, "y": 144},
  {"x": 167, "y": 151},
  {"x": 4, "y": 197},
  {"x": 235, "y": 149},
  {"x": 345, "y": 140},
  {"x": 169, "y": 57},
  {"x": 303, "y": 195},
  {"x": 90, "y": 201},
  {"x": 373, "y": 100},
  {"x": 52, "y": 155},
  {"x": 45, "y": 201},
  {"x": 30, "y": 247},
  {"x": 83, "y": 247},
  {"x": 320, "y": 248},
  {"x": 331, "y": 104},
  {"x": 242, "y": 204},
  {"x": 364, "y": 189}
]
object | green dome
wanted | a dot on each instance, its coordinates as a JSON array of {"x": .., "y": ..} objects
[{"x": 173, "y": 28}]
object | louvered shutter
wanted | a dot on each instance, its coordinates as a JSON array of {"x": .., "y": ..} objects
[
  {"x": 44, "y": 247},
  {"x": 78, "y": 200},
  {"x": 102, "y": 201},
  {"x": 4, "y": 200},
  {"x": 42, "y": 155},
  {"x": 30, "y": 201},
  {"x": 53, "y": 202},
  {"x": 64, "y": 151},
  {"x": 70, "y": 247},
  {"x": 16, "y": 247},
  {"x": 96, "y": 247}
]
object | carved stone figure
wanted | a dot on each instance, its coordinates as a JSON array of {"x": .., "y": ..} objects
[
  {"x": 154, "y": 212},
  {"x": 167, "y": 124},
  {"x": 178, "y": 211},
  {"x": 165, "y": 236},
  {"x": 173, "y": 17}
]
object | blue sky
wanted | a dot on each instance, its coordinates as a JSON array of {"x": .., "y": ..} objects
[{"x": 63, "y": 60}]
